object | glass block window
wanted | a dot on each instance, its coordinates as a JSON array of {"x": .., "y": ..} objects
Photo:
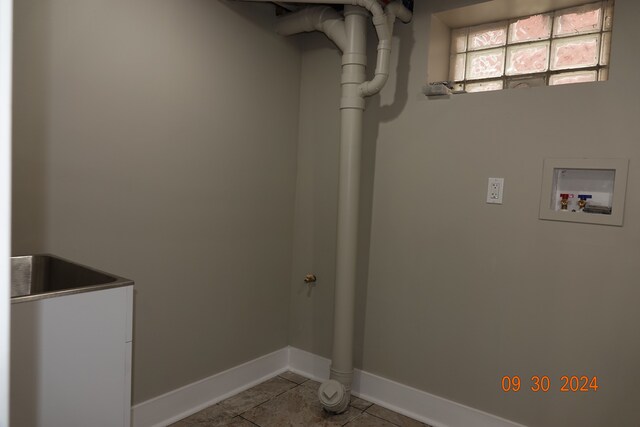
[{"x": 560, "y": 47}]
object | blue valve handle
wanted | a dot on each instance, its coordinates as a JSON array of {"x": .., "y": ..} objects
[{"x": 584, "y": 196}]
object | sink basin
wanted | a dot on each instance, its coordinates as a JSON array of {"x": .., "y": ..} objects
[{"x": 45, "y": 276}]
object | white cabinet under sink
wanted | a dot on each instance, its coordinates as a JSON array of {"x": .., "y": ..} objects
[{"x": 71, "y": 360}]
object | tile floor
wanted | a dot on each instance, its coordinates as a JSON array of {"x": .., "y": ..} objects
[{"x": 291, "y": 400}]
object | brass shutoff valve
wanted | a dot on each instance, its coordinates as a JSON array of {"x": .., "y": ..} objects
[
  {"x": 310, "y": 278},
  {"x": 583, "y": 200}
]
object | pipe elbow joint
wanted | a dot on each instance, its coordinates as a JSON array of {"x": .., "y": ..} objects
[
  {"x": 398, "y": 10},
  {"x": 320, "y": 18},
  {"x": 374, "y": 86},
  {"x": 371, "y": 5}
]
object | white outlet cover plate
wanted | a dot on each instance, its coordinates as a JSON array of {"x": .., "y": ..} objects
[{"x": 495, "y": 190}]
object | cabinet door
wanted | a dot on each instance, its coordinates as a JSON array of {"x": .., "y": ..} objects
[{"x": 69, "y": 358}]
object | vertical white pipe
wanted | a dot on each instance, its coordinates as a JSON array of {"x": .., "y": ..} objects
[
  {"x": 335, "y": 393},
  {"x": 350, "y": 37},
  {"x": 6, "y": 21},
  {"x": 346, "y": 252},
  {"x": 352, "y": 107}
]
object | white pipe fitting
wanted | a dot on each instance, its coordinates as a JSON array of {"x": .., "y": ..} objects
[
  {"x": 333, "y": 396},
  {"x": 324, "y": 19},
  {"x": 397, "y": 10},
  {"x": 384, "y": 29},
  {"x": 382, "y": 70}
]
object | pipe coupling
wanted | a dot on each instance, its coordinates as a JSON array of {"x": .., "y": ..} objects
[
  {"x": 354, "y": 58},
  {"x": 352, "y": 103},
  {"x": 379, "y": 19},
  {"x": 384, "y": 44}
]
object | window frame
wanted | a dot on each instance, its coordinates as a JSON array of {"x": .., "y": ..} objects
[{"x": 601, "y": 69}]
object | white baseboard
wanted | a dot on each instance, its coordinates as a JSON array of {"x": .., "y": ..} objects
[
  {"x": 308, "y": 364},
  {"x": 422, "y": 406},
  {"x": 414, "y": 403},
  {"x": 184, "y": 401}
]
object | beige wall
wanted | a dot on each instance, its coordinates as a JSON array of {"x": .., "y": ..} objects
[
  {"x": 316, "y": 195},
  {"x": 459, "y": 293},
  {"x": 157, "y": 140}
]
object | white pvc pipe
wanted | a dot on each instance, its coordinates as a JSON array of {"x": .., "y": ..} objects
[
  {"x": 352, "y": 107},
  {"x": 382, "y": 70},
  {"x": 350, "y": 37},
  {"x": 363, "y": 3},
  {"x": 335, "y": 393},
  {"x": 397, "y": 10},
  {"x": 324, "y": 19},
  {"x": 384, "y": 28}
]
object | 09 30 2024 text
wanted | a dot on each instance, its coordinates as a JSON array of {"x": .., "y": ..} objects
[{"x": 543, "y": 384}]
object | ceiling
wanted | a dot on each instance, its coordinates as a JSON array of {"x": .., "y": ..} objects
[{"x": 497, "y": 10}]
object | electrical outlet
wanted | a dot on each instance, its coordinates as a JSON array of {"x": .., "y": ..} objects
[{"x": 495, "y": 190}]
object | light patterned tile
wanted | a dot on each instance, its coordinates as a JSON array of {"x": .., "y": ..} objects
[
  {"x": 278, "y": 402},
  {"x": 213, "y": 416},
  {"x": 298, "y": 407},
  {"x": 313, "y": 385},
  {"x": 181, "y": 423},
  {"x": 366, "y": 420},
  {"x": 256, "y": 395},
  {"x": 240, "y": 422},
  {"x": 360, "y": 404},
  {"x": 291, "y": 376},
  {"x": 393, "y": 417}
]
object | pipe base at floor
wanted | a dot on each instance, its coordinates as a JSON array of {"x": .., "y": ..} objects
[{"x": 334, "y": 396}]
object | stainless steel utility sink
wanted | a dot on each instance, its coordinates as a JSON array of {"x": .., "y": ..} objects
[{"x": 45, "y": 276}]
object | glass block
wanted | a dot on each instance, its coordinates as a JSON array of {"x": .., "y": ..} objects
[
  {"x": 485, "y": 64},
  {"x": 484, "y": 86},
  {"x": 536, "y": 27},
  {"x": 527, "y": 59},
  {"x": 574, "y": 77},
  {"x": 519, "y": 83},
  {"x": 607, "y": 22},
  {"x": 577, "y": 20},
  {"x": 457, "y": 67},
  {"x": 575, "y": 52},
  {"x": 487, "y": 36},
  {"x": 459, "y": 40},
  {"x": 605, "y": 49}
]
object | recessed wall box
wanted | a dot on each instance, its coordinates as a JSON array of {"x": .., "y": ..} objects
[{"x": 584, "y": 190}]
